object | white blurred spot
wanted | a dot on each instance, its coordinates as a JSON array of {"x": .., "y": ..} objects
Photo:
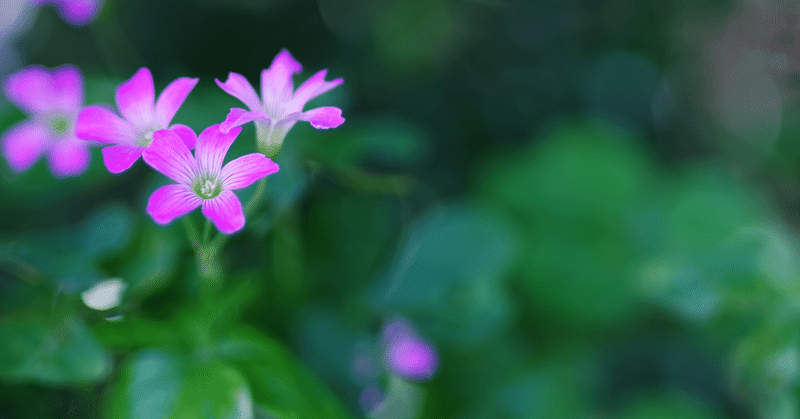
[
  {"x": 104, "y": 295},
  {"x": 244, "y": 404}
]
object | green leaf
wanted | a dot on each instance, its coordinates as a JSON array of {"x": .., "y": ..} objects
[
  {"x": 136, "y": 334},
  {"x": 449, "y": 274},
  {"x": 667, "y": 406},
  {"x": 278, "y": 382},
  {"x": 384, "y": 138},
  {"x": 578, "y": 197},
  {"x": 159, "y": 385},
  {"x": 106, "y": 230},
  {"x": 152, "y": 261},
  {"x": 61, "y": 353}
]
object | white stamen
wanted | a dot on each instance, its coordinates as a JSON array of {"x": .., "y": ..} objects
[{"x": 207, "y": 188}]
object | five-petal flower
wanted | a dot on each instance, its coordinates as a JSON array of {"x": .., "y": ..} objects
[
  {"x": 201, "y": 179},
  {"x": 280, "y": 105},
  {"x": 53, "y": 100},
  {"x": 143, "y": 116}
]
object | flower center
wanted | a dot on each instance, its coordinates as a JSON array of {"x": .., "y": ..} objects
[
  {"x": 59, "y": 125},
  {"x": 145, "y": 138},
  {"x": 207, "y": 188}
]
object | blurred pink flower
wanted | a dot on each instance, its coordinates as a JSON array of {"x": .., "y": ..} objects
[
  {"x": 202, "y": 180},
  {"x": 407, "y": 354},
  {"x": 75, "y": 12},
  {"x": 143, "y": 116},
  {"x": 280, "y": 105},
  {"x": 52, "y": 99}
]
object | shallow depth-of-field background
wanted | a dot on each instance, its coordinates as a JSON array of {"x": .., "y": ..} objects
[{"x": 589, "y": 208}]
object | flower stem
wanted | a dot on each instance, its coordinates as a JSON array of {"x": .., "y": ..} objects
[
  {"x": 191, "y": 233},
  {"x": 207, "y": 264},
  {"x": 206, "y": 232}
]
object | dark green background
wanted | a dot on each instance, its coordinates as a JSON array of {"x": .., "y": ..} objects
[{"x": 552, "y": 192}]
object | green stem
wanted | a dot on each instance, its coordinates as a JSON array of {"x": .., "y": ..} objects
[
  {"x": 206, "y": 232},
  {"x": 191, "y": 233}
]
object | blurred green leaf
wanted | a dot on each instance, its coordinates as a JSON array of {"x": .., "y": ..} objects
[
  {"x": 136, "y": 334},
  {"x": 384, "y": 139},
  {"x": 278, "y": 382},
  {"x": 578, "y": 195},
  {"x": 160, "y": 385},
  {"x": 152, "y": 260},
  {"x": 106, "y": 230},
  {"x": 448, "y": 274},
  {"x": 711, "y": 250},
  {"x": 668, "y": 406},
  {"x": 54, "y": 353}
]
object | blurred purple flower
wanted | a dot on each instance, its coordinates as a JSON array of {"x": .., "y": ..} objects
[
  {"x": 52, "y": 99},
  {"x": 202, "y": 180},
  {"x": 280, "y": 105},
  {"x": 75, "y": 12},
  {"x": 407, "y": 354},
  {"x": 143, "y": 116}
]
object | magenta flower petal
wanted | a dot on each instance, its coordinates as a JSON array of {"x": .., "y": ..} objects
[
  {"x": 53, "y": 100},
  {"x": 96, "y": 123},
  {"x": 172, "y": 97},
  {"x": 412, "y": 358},
  {"x": 238, "y": 87},
  {"x": 69, "y": 157},
  {"x": 119, "y": 158},
  {"x": 276, "y": 81},
  {"x": 30, "y": 89},
  {"x": 170, "y": 202},
  {"x": 23, "y": 144},
  {"x": 135, "y": 98},
  {"x": 169, "y": 155},
  {"x": 68, "y": 87},
  {"x": 242, "y": 172},
  {"x": 225, "y": 211},
  {"x": 75, "y": 12},
  {"x": 238, "y": 117},
  {"x": 212, "y": 146},
  {"x": 187, "y": 135},
  {"x": 324, "y": 117},
  {"x": 311, "y": 88},
  {"x": 280, "y": 107}
]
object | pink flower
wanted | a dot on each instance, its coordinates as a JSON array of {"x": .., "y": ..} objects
[
  {"x": 143, "y": 116},
  {"x": 75, "y": 12},
  {"x": 202, "y": 180},
  {"x": 52, "y": 99},
  {"x": 407, "y": 354},
  {"x": 280, "y": 106}
]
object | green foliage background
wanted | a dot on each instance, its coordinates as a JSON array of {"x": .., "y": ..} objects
[{"x": 570, "y": 200}]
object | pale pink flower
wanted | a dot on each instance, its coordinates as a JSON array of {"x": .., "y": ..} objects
[
  {"x": 52, "y": 99},
  {"x": 143, "y": 116},
  {"x": 201, "y": 179},
  {"x": 75, "y": 12},
  {"x": 280, "y": 106}
]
